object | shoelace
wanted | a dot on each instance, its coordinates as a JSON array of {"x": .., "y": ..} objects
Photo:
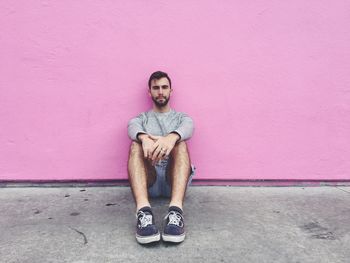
[
  {"x": 145, "y": 219},
  {"x": 175, "y": 218}
]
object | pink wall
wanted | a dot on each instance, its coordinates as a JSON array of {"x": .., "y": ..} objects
[{"x": 267, "y": 83}]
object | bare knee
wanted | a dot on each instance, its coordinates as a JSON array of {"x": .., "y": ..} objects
[
  {"x": 135, "y": 148},
  {"x": 180, "y": 148}
]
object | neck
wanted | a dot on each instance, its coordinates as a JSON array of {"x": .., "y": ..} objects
[{"x": 166, "y": 108}]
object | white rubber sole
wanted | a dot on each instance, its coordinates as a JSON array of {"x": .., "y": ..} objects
[
  {"x": 148, "y": 239},
  {"x": 173, "y": 239}
]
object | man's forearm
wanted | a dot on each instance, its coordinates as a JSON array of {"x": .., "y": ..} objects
[
  {"x": 141, "y": 136},
  {"x": 174, "y": 136},
  {"x": 185, "y": 129}
]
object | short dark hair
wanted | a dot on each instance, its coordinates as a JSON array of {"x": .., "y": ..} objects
[{"x": 158, "y": 75}]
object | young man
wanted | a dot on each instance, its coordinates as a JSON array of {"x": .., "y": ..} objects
[{"x": 159, "y": 163}]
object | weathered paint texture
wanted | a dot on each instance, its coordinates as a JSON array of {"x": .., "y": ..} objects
[{"x": 267, "y": 83}]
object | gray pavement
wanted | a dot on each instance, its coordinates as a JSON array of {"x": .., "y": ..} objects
[{"x": 224, "y": 224}]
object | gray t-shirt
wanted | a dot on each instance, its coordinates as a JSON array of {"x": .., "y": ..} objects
[{"x": 161, "y": 124}]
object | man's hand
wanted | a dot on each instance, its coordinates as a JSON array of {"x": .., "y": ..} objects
[
  {"x": 147, "y": 145},
  {"x": 162, "y": 146}
]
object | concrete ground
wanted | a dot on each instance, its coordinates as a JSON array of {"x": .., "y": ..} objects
[{"x": 224, "y": 224}]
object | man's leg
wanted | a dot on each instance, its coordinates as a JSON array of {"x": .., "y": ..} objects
[
  {"x": 141, "y": 175},
  {"x": 179, "y": 172}
]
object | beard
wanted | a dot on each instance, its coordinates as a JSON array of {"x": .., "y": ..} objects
[{"x": 161, "y": 104}]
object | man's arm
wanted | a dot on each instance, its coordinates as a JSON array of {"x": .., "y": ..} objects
[
  {"x": 137, "y": 133},
  {"x": 135, "y": 128},
  {"x": 185, "y": 129}
]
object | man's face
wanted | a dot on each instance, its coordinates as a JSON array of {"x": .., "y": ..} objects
[{"x": 160, "y": 92}]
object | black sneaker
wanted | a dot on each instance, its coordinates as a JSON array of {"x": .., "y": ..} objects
[
  {"x": 146, "y": 230},
  {"x": 174, "y": 229}
]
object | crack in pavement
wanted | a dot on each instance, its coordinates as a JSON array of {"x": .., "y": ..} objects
[
  {"x": 342, "y": 190},
  {"x": 81, "y": 233}
]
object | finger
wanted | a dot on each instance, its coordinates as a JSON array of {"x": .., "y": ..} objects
[
  {"x": 162, "y": 155},
  {"x": 168, "y": 152},
  {"x": 143, "y": 150},
  {"x": 147, "y": 153},
  {"x": 155, "y": 151},
  {"x": 158, "y": 154},
  {"x": 153, "y": 155},
  {"x": 156, "y": 160},
  {"x": 150, "y": 149},
  {"x": 154, "y": 147}
]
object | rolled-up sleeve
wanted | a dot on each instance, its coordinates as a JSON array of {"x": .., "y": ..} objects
[
  {"x": 186, "y": 127},
  {"x": 135, "y": 126}
]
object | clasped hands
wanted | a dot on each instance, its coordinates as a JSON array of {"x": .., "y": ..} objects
[{"x": 156, "y": 148}]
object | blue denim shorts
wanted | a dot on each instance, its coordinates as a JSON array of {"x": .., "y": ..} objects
[{"x": 161, "y": 187}]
